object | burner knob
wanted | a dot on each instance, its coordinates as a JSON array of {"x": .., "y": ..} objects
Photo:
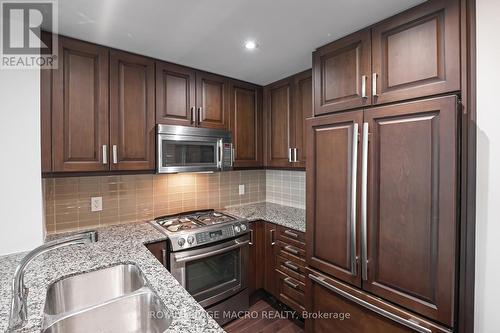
[
  {"x": 190, "y": 240},
  {"x": 181, "y": 241},
  {"x": 243, "y": 227},
  {"x": 237, "y": 229}
]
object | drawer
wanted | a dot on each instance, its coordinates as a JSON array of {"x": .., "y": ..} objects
[
  {"x": 290, "y": 251},
  {"x": 291, "y": 268},
  {"x": 290, "y": 291},
  {"x": 292, "y": 237}
]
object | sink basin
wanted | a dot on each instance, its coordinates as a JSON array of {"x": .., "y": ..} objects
[
  {"x": 135, "y": 313},
  {"x": 84, "y": 290}
]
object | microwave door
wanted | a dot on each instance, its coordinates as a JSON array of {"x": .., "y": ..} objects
[{"x": 178, "y": 154}]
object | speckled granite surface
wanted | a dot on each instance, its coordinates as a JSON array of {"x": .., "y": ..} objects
[
  {"x": 117, "y": 244},
  {"x": 290, "y": 217}
]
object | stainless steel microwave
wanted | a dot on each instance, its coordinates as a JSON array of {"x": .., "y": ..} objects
[{"x": 193, "y": 149}]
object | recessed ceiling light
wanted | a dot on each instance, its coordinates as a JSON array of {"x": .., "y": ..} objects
[{"x": 250, "y": 45}]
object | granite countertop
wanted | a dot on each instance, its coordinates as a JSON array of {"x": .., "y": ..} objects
[
  {"x": 290, "y": 217},
  {"x": 117, "y": 244}
]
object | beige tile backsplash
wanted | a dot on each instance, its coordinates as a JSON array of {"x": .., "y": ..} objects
[
  {"x": 137, "y": 198},
  {"x": 286, "y": 187}
]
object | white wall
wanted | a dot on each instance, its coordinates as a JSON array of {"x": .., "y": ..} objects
[
  {"x": 488, "y": 168},
  {"x": 21, "y": 225}
]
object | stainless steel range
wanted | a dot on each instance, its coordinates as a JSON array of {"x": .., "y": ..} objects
[{"x": 208, "y": 255}]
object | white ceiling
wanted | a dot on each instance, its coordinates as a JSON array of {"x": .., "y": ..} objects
[{"x": 209, "y": 34}]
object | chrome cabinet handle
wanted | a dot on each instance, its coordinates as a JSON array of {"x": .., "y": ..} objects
[
  {"x": 251, "y": 237},
  {"x": 199, "y": 115},
  {"x": 295, "y": 155},
  {"x": 389, "y": 315},
  {"x": 354, "y": 173},
  {"x": 104, "y": 154},
  {"x": 290, "y": 283},
  {"x": 291, "y": 249},
  {"x": 272, "y": 237},
  {"x": 364, "y": 198},
  {"x": 292, "y": 234},
  {"x": 289, "y": 265},
  {"x": 374, "y": 84},
  {"x": 115, "y": 154},
  {"x": 289, "y": 155},
  {"x": 193, "y": 115},
  {"x": 164, "y": 257},
  {"x": 363, "y": 86}
]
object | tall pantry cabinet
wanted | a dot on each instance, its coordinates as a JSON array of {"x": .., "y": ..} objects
[{"x": 382, "y": 179}]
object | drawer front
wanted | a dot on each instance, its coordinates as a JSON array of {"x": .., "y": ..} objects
[
  {"x": 353, "y": 310},
  {"x": 292, "y": 268},
  {"x": 290, "y": 251},
  {"x": 290, "y": 291},
  {"x": 291, "y": 236}
]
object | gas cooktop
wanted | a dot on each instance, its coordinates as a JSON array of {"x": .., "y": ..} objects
[{"x": 197, "y": 228}]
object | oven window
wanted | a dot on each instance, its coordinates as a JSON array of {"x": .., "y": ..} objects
[
  {"x": 177, "y": 153},
  {"x": 209, "y": 274}
]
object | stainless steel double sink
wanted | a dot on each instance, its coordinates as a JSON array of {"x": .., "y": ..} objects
[{"x": 111, "y": 300}]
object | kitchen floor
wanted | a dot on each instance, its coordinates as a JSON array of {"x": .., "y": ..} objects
[{"x": 264, "y": 323}]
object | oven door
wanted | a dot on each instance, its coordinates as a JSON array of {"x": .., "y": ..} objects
[
  {"x": 213, "y": 273},
  {"x": 182, "y": 153}
]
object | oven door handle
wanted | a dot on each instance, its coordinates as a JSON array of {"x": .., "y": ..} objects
[{"x": 211, "y": 253}]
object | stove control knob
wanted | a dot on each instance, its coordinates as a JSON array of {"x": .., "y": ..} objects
[
  {"x": 237, "y": 229},
  {"x": 190, "y": 240},
  {"x": 243, "y": 227},
  {"x": 181, "y": 241}
]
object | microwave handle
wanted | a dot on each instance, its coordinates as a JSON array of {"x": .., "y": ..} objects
[
  {"x": 212, "y": 253},
  {"x": 219, "y": 154}
]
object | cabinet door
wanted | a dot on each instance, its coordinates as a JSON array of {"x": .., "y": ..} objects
[
  {"x": 357, "y": 311},
  {"x": 132, "y": 89},
  {"x": 417, "y": 53},
  {"x": 412, "y": 205},
  {"x": 212, "y": 101},
  {"x": 302, "y": 109},
  {"x": 246, "y": 124},
  {"x": 256, "y": 271},
  {"x": 270, "y": 259},
  {"x": 175, "y": 94},
  {"x": 332, "y": 187},
  {"x": 80, "y": 117},
  {"x": 278, "y": 98},
  {"x": 341, "y": 74}
]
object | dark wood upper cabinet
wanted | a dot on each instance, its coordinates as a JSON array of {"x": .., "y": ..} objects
[
  {"x": 278, "y": 99},
  {"x": 132, "y": 110},
  {"x": 175, "y": 94},
  {"x": 417, "y": 53},
  {"x": 341, "y": 74},
  {"x": 302, "y": 109},
  {"x": 80, "y": 117},
  {"x": 412, "y": 205},
  {"x": 332, "y": 224},
  {"x": 212, "y": 92},
  {"x": 246, "y": 124}
]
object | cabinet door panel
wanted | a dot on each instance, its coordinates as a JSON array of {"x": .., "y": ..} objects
[
  {"x": 270, "y": 259},
  {"x": 246, "y": 124},
  {"x": 212, "y": 100},
  {"x": 302, "y": 110},
  {"x": 417, "y": 53},
  {"x": 412, "y": 198},
  {"x": 80, "y": 119},
  {"x": 175, "y": 94},
  {"x": 132, "y": 111},
  {"x": 256, "y": 271},
  {"x": 332, "y": 241},
  {"x": 339, "y": 69},
  {"x": 278, "y": 111},
  {"x": 331, "y": 298}
]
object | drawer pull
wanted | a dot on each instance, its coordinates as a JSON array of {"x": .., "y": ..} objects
[
  {"x": 403, "y": 321},
  {"x": 291, "y": 234},
  {"x": 290, "y": 283},
  {"x": 291, "y": 249},
  {"x": 289, "y": 265}
]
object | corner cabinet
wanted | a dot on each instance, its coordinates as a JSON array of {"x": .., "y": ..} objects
[
  {"x": 132, "y": 111},
  {"x": 246, "y": 124},
  {"x": 381, "y": 214}
]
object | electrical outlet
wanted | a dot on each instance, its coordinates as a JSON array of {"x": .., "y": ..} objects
[
  {"x": 96, "y": 204},
  {"x": 242, "y": 189}
]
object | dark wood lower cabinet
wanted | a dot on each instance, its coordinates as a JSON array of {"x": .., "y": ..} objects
[
  {"x": 158, "y": 249},
  {"x": 350, "y": 310},
  {"x": 269, "y": 259},
  {"x": 257, "y": 253}
]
